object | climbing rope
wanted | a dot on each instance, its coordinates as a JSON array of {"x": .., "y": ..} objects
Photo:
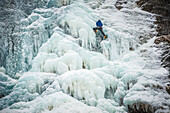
[{"x": 115, "y": 81}]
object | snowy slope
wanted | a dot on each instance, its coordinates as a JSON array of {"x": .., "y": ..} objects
[{"x": 70, "y": 73}]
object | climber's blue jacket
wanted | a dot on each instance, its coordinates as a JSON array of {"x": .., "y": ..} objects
[{"x": 99, "y": 23}]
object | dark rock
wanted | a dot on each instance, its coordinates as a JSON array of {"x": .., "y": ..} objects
[
  {"x": 162, "y": 39},
  {"x": 119, "y": 4},
  {"x": 143, "y": 37},
  {"x": 165, "y": 49},
  {"x": 168, "y": 88},
  {"x": 161, "y": 8},
  {"x": 141, "y": 107}
]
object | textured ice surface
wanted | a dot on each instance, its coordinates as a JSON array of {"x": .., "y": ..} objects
[
  {"x": 110, "y": 106},
  {"x": 6, "y": 83},
  {"x": 82, "y": 85},
  {"x": 53, "y": 103},
  {"x": 67, "y": 69},
  {"x": 29, "y": 86}
]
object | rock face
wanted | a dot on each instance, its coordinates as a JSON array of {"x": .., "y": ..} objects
[
  {"x": 165, "y": 38},
  {"x": 131, "y": 4},
  {"x": 144, "y": 108},
  {"x": 163, "y": 43},
  {"x": 162, "y": 9}
]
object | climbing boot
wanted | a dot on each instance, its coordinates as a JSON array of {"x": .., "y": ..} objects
[{"x": 105, "y": 37}]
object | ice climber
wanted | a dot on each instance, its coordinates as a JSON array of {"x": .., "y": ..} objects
[{"x": 99, "y": 25}]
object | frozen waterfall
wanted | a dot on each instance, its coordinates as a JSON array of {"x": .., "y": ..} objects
[{"x": 56, "y": 63}]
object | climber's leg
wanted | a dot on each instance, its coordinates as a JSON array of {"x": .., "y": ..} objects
[
  {"x": 95, "y": 29},
  {"x": 101, "y": 31}
]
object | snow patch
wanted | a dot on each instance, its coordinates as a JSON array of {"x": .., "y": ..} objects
[{"x": 53, "y": 103}]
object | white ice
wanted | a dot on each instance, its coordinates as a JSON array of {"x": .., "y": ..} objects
[
  {"x": 68, "y": 75},
  {"x": 54, "y": 103}
]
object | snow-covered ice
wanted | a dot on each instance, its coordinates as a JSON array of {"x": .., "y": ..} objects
[
  {"x": 69, "y": 73},
  {"x": 54, "y": 103}
]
